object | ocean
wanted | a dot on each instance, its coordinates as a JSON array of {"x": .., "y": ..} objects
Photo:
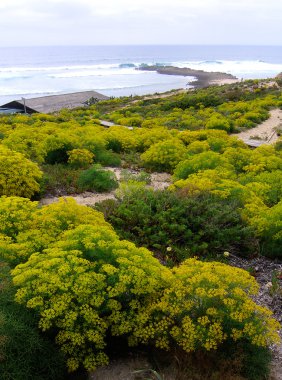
[{"x": 38, "y": 71}]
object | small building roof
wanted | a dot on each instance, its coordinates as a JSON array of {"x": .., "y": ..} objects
[{"x": 53, "y": 103}]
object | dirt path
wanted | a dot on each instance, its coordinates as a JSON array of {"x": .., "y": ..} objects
[
  {"x": 264, "y": 132},
  {"x": 159, "y": 181}
]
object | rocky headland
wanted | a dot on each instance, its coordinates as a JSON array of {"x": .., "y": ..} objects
[{"x": 203, "y": 78}]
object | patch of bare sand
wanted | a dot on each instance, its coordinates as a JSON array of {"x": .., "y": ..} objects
[
  {"x": 265, "y": 131},
  {"x": 221, "y": 82},
  {"x": 122, "y": 369},
  {"x": 159, "y": 181},
  {"x": 84, "y": 199}
]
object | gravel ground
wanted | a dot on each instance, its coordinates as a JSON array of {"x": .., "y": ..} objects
[{"x": 270, "y": 295}]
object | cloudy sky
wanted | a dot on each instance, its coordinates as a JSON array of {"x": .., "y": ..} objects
[{"x": 112, "y": 22}]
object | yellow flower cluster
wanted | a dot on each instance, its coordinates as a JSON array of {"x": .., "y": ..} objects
[
  {"x": 25, "y": 228},
  {"x": 80, "y": 158},
  {"x": 85, "y": 284},
  {"x": 164, "y": 155},
  {"x": 208, "y": 302},
  {"x": 18, "y": 175}
]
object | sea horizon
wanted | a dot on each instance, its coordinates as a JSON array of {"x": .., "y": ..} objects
[{"x": 111, "y": 69}]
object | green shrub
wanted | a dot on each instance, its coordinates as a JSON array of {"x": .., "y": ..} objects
[
  {"x": 58, "y": 179},
  {"x": 206, "y": 304},
  {"x": 278, "y": 145},
  {"x": 58, "y": 156},
  {"x": 115, "y": 145},
  {"x": 25, "y": 354},
  {"x": 197, "y": 147},
  {"x": 97, "y": 179},
  {"x": 129, "y": 176},
  {"x": 271, "y": 182},
  {"x": 108, "y": 158},
  {"x": 187, "y": 226}
]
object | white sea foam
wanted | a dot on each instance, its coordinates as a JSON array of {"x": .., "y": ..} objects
[
  {"x": 95, "y": 72},
  {"x": 56, "y": 68},
  {"x": 244, "y": 69},
  {"x": 117, "y": 76}
]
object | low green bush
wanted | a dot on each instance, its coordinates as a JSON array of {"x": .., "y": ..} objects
[
  {"x": 58, "y": 179},
  {"x": 177, "y": 226},
  {"x": 97, "y": 179},
  {"x": 128, "y": 176},
  {"x": 108, "y": 158},
  {"x": 25, "y": 354},
  {"x": 59, "y": 155}
]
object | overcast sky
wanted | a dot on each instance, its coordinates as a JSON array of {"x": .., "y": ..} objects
[{"x": 112, "y": 22}]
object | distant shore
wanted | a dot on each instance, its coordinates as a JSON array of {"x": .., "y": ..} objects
[{"x": 203, "y": 78}]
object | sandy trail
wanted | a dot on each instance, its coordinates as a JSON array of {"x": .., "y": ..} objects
[
  {"x": 159, "y": 181},
  {"x": 265, "y": 131}
]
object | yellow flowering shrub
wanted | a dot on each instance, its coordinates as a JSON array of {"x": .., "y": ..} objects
[
  {"x": 88, "y": 285},
  {"x": 29, "y": 141},
  {"x": 267, "y": 222},
  {"x": 164, "y": 155},
  {"x": 147, "y": 137},
  {"x": 40, "y": 138},
  {"x": 190, "y": 136},
  {"x": 18, "y": 175},
  {"x": 28, "y": 228},
  {"x": 206, "y": 304},
  {"x": 80, "y": 158},
  {"x": 91, "y": 285},
  {"x": 219, "y": 182},
  {"x": 124, "y": 136},
  {"x": 15, "y": 215},
  {"x": 200, "y": 162}
]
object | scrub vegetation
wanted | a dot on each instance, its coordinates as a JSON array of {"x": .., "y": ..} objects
[{"x": 148, "y": 268}]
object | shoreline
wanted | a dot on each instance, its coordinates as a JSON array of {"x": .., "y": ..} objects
[{"x": 203, "y": 78}]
